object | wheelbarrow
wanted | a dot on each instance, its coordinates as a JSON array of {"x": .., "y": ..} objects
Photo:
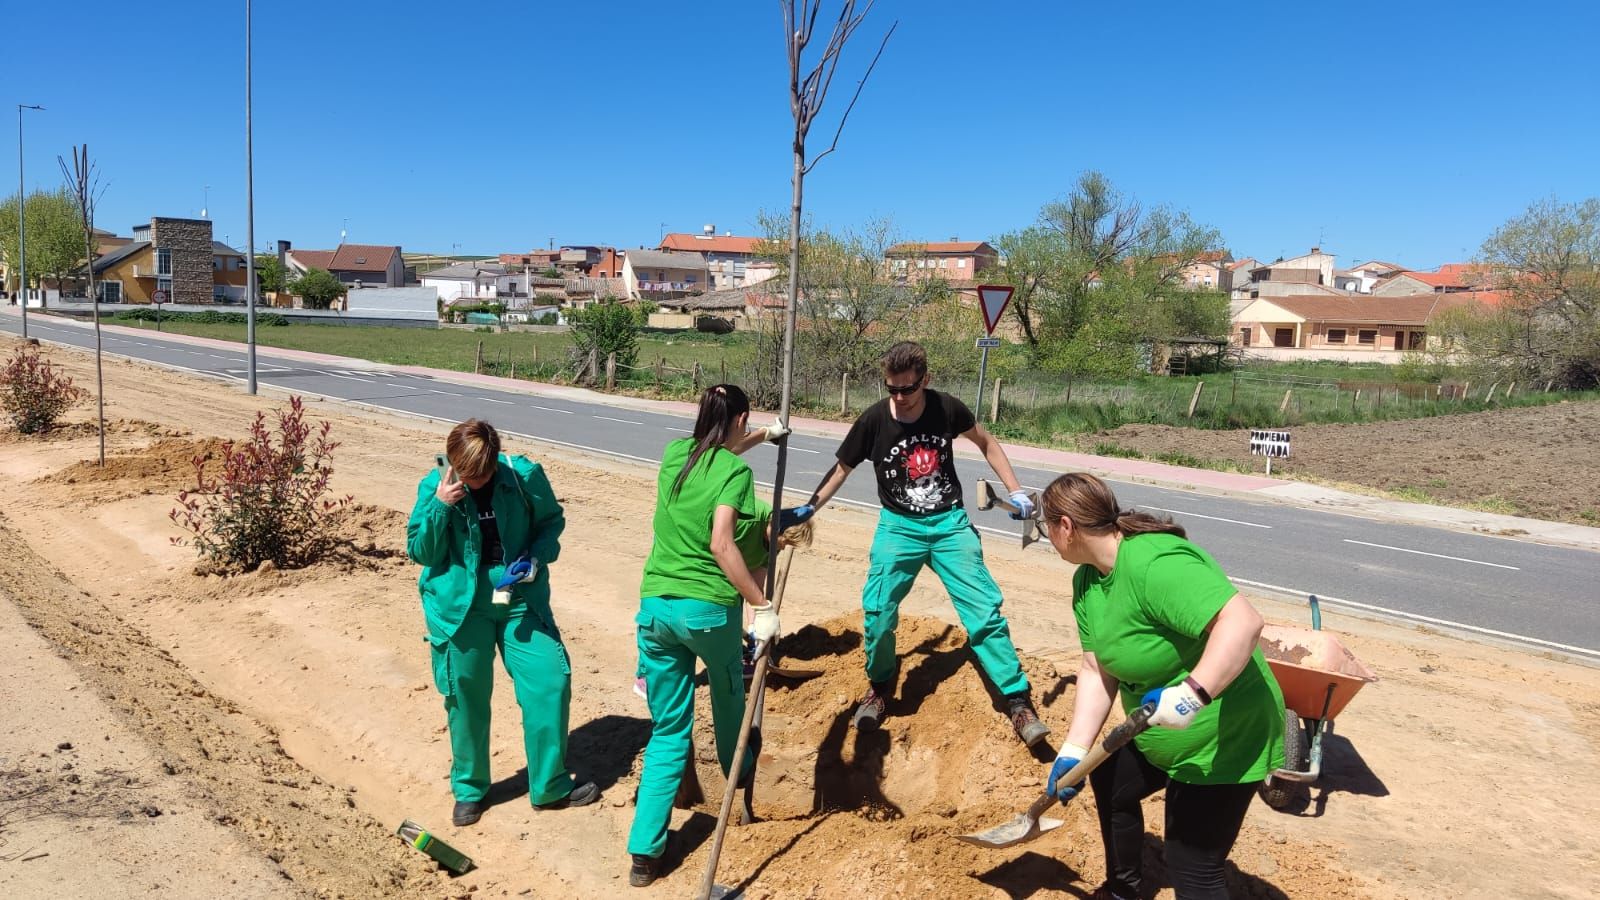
[{"x": 1319, "y": 677}]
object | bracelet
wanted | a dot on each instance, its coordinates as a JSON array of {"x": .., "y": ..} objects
[{"x": 1202, "y": 693}]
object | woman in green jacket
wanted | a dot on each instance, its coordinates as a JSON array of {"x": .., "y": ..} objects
[
  {"x": 486, "y": 529},
  {"x": 1160, "y": 622},
  {"x": 707, "y": 558}
]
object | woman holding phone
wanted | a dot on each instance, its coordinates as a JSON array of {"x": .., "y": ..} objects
[{"x": 485, "y": 529}]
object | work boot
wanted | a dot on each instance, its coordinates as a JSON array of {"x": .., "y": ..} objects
[
  {"x": 467, "y": 812},
  {"x": 644, "y": 870},
  {"x": 582, "y": 795},
  {"x": 869, "y": 712},
  {"x": 1025, "y": 721}
]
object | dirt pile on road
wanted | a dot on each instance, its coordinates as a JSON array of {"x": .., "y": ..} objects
[{"x": 879, "y": 812}]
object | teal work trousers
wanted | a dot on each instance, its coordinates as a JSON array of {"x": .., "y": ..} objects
[
  {"x": 947, "y": 543},
  {"x": 463, "y": 670},
  {"x": 672, "y": 634}
]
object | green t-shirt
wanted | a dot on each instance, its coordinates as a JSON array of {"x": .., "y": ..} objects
[
  {"x": 1145, "y": 623},
  {"x": 681, "y": 563}
]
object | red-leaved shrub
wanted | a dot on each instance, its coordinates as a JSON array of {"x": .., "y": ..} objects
[
  {"x": 266, "y": 500},
  {"x": 34, "y": 393}
]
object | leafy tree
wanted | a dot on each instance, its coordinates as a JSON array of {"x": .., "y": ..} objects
[
  {"x": 606, "y": 327},
  {"x": 270, "y": 273},
  {"x": 56, "y": 245},
  {"x": 850, "y": 308},
  {"x": 1098, "y": 274},
  {"x": 1546, "y": 264},
  {"x": 318, "y": 288}
]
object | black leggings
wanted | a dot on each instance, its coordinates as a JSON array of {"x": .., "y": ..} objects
[{"x": 1203, "y": 821}]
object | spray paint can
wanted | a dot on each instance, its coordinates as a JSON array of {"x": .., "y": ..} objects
[{"x": 444, "y": 854}]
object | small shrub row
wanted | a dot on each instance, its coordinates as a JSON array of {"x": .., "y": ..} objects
[
  {"x": 208, "y": 317},
  {"x": 35, "y": 393}
]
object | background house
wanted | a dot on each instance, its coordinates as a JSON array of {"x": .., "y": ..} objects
[
  {"x": 369, "y": 265},
  {"x": 955, "y": 260},
  {"x": 477, "y": 282},
  {"x": 664, "y": 274},
  {"x": 1293, "y": 276},
  {"x": 731, "y": 260},
  {"x": 176, "y": 257},
  {"x": 1450, "y": 278},
  {"x": 1346, "y": 323}
]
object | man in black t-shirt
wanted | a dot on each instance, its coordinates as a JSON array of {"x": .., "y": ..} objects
[{"x": 910, "y": 438}]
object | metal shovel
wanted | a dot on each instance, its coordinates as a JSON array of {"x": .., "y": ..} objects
[
  {"x": 989, "y": 498},
  {"x": 1028, "y": 825}
]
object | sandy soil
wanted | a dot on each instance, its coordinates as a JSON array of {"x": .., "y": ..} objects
[
  {"x": 297, "y": 707},
  {"x": 1530, "y": 461}
]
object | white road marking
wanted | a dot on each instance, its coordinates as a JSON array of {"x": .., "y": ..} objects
[
  {"x": 610, "y": 419},
  {"x": 564, "y": 412},
  {"x": 349, "y": 377},
  {"x": 491, "y": 400},
  {"x": 220, "y": 356},
  {"x": 1179, "y": 512},
  {"x": 792, "y": 449},
  {"x": 680, "y": 430},
  {"x": 1476, "y": 562},
  {"x": 446, "y": 393},
  {"x": 1415, "y": 617}
]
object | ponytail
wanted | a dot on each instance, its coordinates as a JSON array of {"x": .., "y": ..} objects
[
  {"x": 720, "y": 406},
  {"x": 1092, "y": 507}
]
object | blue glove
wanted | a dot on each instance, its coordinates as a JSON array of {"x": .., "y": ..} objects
[
  {"x": 1070, "y": 756},
  {"x": 795, "y": 515},
  {"x": 1024, "y": 504},
  {"x": 1176, "y": 706},
  {"x": 523, "y": 569}
]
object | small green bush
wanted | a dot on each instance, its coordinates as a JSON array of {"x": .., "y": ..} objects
[
  {"x": 34, "y": 393},
  {"x": 266, "y": 501},
  {"x": 605, "y": 328},
  {"x": 208, "y": 317}
]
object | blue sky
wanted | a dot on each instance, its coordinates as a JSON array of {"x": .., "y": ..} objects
[{"x": 1402, "y": 130}]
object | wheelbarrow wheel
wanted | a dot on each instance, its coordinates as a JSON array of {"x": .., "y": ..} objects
[{"x": 1279, "y": 793}]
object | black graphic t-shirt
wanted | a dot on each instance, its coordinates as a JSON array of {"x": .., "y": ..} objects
[
  {"x": 483, "y": 498},
  {"x": 914, "y": 461}
]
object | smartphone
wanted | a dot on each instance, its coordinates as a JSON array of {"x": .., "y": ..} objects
[{"x": 440, "y": 462}]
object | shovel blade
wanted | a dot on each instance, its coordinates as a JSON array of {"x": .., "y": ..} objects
[{"x": 1019, "y": 830}]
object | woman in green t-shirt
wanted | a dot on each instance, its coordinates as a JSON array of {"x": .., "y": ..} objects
[
  {"x": 1160, "y": 622},
  {"x": 709, "y": 552}
]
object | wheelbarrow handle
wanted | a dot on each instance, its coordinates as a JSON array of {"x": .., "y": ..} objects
[{"x": 1132, "y": 727}]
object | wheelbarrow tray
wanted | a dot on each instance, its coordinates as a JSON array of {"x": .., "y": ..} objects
[{"x": 1307, "y": 663}]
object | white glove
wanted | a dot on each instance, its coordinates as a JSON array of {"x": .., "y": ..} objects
[
  {"x": 776, "y": 430},
  {"x": 1176, "y": 706},
  {"x": 764, "y": 627},
  {"x": 1024, "y": 504}
]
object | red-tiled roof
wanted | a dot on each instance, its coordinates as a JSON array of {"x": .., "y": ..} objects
[
  {"x": 939, "y": 247},
  {"x": 1247, "y": 262},
  {"x": 349, "y": 258},
  {"x": 320, "y": 259},
  {"x": 1365, "y": 309},
  {"x": 717, "y": 243}
]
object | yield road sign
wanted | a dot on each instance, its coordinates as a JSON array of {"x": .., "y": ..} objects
[
  {"x": 992, "y": 299},
  {"x": 988, "y": 343}
]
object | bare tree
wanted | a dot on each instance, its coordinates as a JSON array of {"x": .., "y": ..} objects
[
  {"x": 808, "y": 90},
  {"x": 83, "y": 182}
]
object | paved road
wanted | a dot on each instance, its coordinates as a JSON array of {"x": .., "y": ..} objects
[{"x": 1538, "y": 595}]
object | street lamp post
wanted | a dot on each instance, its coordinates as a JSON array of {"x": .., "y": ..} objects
[
  {"x": 22, "y": 224},
  {"x": 250, "y": 214}
]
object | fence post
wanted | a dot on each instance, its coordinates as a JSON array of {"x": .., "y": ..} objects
[
  {"x": 536, "y": 354},
  {"x": 661, "y": 371},
  {"x": 844, "y": 394},
  {"x": 1234, "y": 393},
  {"x": 1354, "y": 399},
  {"x": 513, "y": 366},
  {"x": 1465, "y": 387},
  {"x": 1489, "y": 397},
  {"x": 1548, "y": 385},
  {"x": 1033, "y": 399},
  {"x": 611, "y": 371},
  {"x": 724, "y": 370},
  {"x": 994, "y": 407},
  {"x": 1068, "y": 401},
  {"x": 1285, "y": 404},
  {"x": 697, "y": 376},
  {"x": 477, "y": 362},
  {"x": 1195, "y": 400},
  {"x": 1511, "y": 390},
  {"x": 594, "y": 365}
]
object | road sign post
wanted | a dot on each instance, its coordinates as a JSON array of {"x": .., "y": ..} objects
[
  {"x": 159, "y": 297},
  {"x": 992, "y": 300},
  {"x": 1269, "y": 443}
]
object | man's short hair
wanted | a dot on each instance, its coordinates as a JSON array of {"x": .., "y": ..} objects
[
  {"x": 473, "y": 448},
  {"x": 906, "y": 356}
]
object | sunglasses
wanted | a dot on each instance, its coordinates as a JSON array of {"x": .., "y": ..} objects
[{"x": 902, "y": 391}]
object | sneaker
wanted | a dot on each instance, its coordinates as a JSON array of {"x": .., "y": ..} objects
[
  {"x": 582, "y": 795},
  {"x": 467, "y": 812},
  {"x": 869, "y": 713},
  {"x": 639, "y": 688},
  {"x": 644, "y": 870},
  {"x": 1026, "y": 722}
]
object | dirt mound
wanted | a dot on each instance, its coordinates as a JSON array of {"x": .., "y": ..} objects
[
  {"x": 879, "y": 812},
  {"x": 165, "y": 466},
  {"x": 1532, "y": 461},
  {"x": 69, "y": 430}
]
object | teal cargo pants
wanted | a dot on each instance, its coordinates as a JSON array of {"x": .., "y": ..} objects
[
  {"x": 947, "y": 543},
  {"x": 463, "y": 670},
  {"x": 672, "y": 634}
]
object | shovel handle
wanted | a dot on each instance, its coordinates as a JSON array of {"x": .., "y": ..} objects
[{"x": 1132, "y": 727}]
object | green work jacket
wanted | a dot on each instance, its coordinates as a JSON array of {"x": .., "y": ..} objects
[{"x": 448, "y": 544}]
